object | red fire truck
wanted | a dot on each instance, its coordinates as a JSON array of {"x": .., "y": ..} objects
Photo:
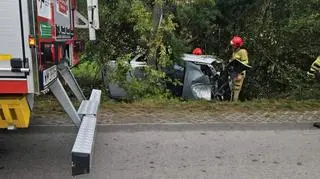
[{"x": 38, "y": 45}]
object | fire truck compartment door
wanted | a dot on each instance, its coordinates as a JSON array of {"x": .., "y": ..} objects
[{"x": 14, "y": 30}]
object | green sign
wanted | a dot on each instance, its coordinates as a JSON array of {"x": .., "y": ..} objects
[{"x": 45, "y": 30}]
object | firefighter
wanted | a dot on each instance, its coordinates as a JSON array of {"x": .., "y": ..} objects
[
  {"x": 197, "y": 51},
  {"x": 241, "y": 55},
  {"x": 315, "y": 69},
  {"x": 314, "y": 72}
]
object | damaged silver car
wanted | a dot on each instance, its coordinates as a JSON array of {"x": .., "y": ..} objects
[{"x": 202, "y": 77}]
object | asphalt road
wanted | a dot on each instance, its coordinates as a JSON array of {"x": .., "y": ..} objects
[{"x": 167, "y": 151}]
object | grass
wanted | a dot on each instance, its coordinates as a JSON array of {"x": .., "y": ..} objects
[
  {"x": 207, "y": 106},
  {"x": 49, "y": 105}
]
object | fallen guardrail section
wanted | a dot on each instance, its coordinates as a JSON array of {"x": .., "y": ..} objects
[{"x": 83, "y": 147}]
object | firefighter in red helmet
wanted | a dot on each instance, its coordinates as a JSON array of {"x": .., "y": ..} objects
[
  {"x": 197, "y": 51},
  {"x": 241, "y": 55}
]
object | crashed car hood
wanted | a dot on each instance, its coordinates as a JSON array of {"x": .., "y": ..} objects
[{"x": 205, "y": 59}]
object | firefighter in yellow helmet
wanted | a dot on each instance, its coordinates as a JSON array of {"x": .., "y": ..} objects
[
  {"x": 241, "y": 55},
  {"x": 314, "y": 72}
]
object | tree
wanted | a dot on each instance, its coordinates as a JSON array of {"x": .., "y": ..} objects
[
  {"x": 123, "y": 35},
  {"x": 281, "y": 37}
]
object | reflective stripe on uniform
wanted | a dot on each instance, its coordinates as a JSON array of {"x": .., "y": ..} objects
[{"x": 315, "y": 67}]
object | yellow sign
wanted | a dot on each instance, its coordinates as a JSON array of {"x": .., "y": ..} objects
[{"x": 5, "y": 57}]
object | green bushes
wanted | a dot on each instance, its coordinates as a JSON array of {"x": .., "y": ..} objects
[
  {"x": 282, "y": 38},
  {"x": 88, "y": 76}
]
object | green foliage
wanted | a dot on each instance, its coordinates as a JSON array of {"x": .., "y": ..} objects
[
  {"x": 126, "y": 30},
  {"x": 152, "y": 84},
  {"x": 198, "y": 24},
  {"x": 141, "y": 17},
  {"x": 281, "y": 37},
  {"x": 88, "y": 76},
  {"x": 159, "y": 48}
]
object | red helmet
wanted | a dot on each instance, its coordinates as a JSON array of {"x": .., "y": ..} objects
[
  {"x": 236, "y": 42},
  {"x": 197, "y": 51}
]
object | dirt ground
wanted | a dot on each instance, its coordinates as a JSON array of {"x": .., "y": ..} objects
[{"x": 150, "y": 115}]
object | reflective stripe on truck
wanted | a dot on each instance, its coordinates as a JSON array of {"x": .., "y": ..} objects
[{"x": 16, "y": 86}]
